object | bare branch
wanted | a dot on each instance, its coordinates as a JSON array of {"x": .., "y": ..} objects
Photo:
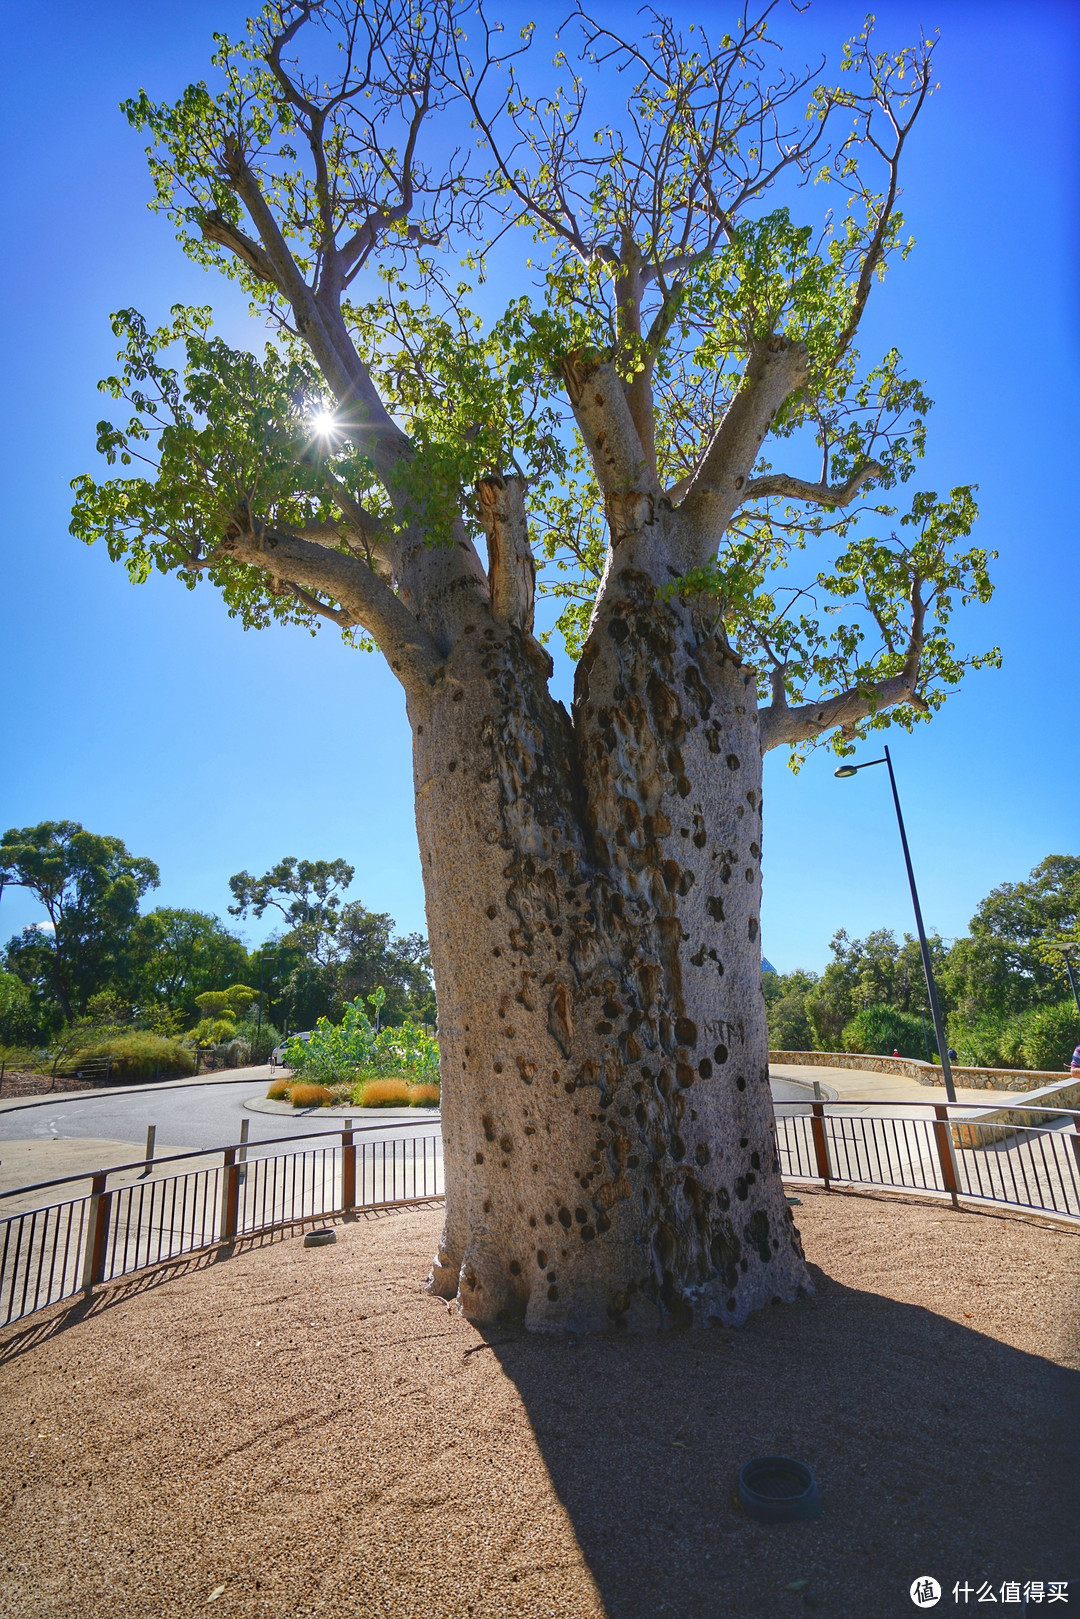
[
  {"x": 365, "y": 599},
  {"x": 882, "y": 101},
  {"x": 822, "y": 494}
]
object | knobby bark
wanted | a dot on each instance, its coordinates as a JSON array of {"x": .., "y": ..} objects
[{"x": 593, "y": 888}]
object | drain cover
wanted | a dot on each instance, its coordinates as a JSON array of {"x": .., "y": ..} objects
[{"x": 775, "y": 1489}]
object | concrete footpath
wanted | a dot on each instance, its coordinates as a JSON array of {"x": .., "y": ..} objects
[{"x": 861, "y": 1085}]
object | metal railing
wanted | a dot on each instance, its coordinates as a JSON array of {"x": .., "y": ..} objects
[
  {"x": 961, "y": 1151},
  {"x": 51, "y": 1253},
  {"x": 70, "y": 1246}
]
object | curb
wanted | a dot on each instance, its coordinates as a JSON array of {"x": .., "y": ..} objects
[
  {"x": 392, "y": 1115},
  {"x": 828, "y": 1094}
]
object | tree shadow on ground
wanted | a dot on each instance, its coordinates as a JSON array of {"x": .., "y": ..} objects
[{"x": 938, "y": 1450}]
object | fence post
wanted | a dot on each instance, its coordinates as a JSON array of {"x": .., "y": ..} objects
[
  {"x": 348, "y": 1167},
  {"x": 1075, "y": 1138},
  {"x": 97, "y": 1233},
  {"x": 245, "y": 1126},
  {"x": 151, "y": 1137},
  {"x": 946, "y": 1156},
  {"x": 230, "y": 1197},
  {"x": 821, "y": 1146}
]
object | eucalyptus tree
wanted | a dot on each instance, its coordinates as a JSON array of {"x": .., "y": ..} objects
[
  {"x": 89, "y": 886},
  {"x": 403, "y": 467}
]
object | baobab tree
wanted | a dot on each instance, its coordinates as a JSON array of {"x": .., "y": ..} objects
[{"x": 370, "y": 174}]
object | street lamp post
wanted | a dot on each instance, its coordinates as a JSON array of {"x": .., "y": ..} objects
[
  {"x": 258, "y": 1015},
  {"x": 931, "y": 988}
]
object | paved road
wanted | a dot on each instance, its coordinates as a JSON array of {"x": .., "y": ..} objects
[
  {"x": 191, "y": 1117},
  {"x": 188, "y": 1117}
]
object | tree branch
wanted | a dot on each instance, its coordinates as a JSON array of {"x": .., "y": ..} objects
[
  {"x": 717, "y": 488},
  {"x": 339, "y": 616},
  {"x": 780, "y": 724},
  {"x": 366, "y": 599},
  {"x": 602, "y": 412},
  {"x": 511, "y": 564},
  {"x": 216, "y": 228},
  {"x": 822, "y": 494}
]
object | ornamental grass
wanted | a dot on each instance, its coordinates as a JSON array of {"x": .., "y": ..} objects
[
  {"x": 389, "y": 1092},
  {"x": 425, "y": 1095},
  {"x": 279, "y": 1090},
  {"x": 306, "y": 1095}
]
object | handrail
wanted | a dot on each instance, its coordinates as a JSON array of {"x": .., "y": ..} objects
[
  {"x": 211, "y": 1152},
  {"x": 988, "y": 1155},
  {"x": 208, "y": 1198}
]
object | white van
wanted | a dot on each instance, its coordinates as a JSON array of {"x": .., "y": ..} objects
[{"x": 277, "y": 1056}]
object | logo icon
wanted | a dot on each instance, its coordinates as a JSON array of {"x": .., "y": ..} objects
[{"x": 925, "y": 1591}]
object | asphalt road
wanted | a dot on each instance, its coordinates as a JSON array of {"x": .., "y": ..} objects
[
  {"x": 191, "y": 1117},
  {"x": 188, "y": 1118}
]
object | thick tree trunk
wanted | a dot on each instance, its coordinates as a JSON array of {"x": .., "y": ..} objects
[{"x": 593, "y": 891}]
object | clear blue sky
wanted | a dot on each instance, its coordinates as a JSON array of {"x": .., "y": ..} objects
[{"x": 149, "y": 714}]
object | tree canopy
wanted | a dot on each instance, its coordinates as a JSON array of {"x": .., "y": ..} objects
[
  {"x": 1003, "y": 985},
  {"x": 177, "y": 954},
  {"x": 695, "y": 266},
  {"x": 90, "y": 886}
]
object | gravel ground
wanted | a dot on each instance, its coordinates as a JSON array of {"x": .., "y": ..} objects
[{"x": 296, "y": 1432}]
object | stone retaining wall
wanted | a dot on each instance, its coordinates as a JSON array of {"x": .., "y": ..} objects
[{"x": 986, "y": 1079}]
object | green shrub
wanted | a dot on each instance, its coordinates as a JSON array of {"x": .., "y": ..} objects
[
  {"x": 1049, "y": 1034},
  {"x": 138, "y": 1055},
  {"x": 336, "y": 1051},
  {"x": 881, "y": 1030},
  {"x": 978, "y": 1041},
  {"x": 25, "y": 1059},
  {"x": 261, "y": 1038}
]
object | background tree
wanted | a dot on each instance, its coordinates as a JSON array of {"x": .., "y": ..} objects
[
  {"x": 90, "y": 886},
  {"x": 306, "y": 894},
  {"x": 20, "y": 1018},
  {"x": 875, "y": 971},
  {"x": 1002, "y": 968},
  {"x": 372, "y": 956},
  {"x": 785, "y": 1000},
  {"x": 176, "y": 954},
  {"x": 592, "y": 879}
]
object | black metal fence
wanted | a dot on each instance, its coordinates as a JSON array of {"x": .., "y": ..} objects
[
  {"x": 956, "y": 1150},
  {"x": 69, "y": 1246}
]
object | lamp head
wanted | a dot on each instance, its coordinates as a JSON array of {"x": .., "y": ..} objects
[{"x": 847, "y": 770}]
